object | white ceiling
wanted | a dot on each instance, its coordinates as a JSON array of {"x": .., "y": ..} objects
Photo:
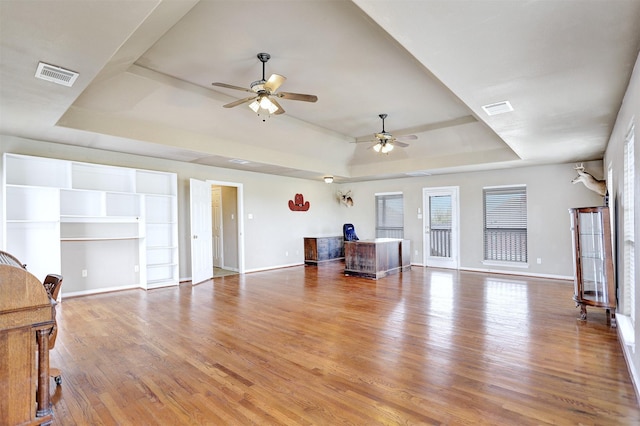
[{"x": 146, "y": 68}]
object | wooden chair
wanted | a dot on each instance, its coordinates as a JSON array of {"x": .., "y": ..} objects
[{"x": 52, "y": 283}]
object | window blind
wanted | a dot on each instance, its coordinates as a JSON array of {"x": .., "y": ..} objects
[
  {"x": 629, "y": 279},
  {"x": 505, "y": 224},
  {"x": 389, "y": 216}
]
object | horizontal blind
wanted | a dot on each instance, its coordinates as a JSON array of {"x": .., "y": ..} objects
[
  {"x": 505, "y": 224},
  {"x": 628, "y": 212},
  {"x": 389, "y": 216},
  {"x": 440, "y": 211}
]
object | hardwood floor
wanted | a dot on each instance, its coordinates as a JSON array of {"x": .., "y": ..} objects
[{"x": 308, "y": 346}]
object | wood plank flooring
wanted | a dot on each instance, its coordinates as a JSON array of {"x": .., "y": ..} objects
[{"x": 308, "y": 346}]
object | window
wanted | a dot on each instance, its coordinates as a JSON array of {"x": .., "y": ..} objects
[
  {"x": 389, "y": 216},
  {"x": 440, "y": 217},
  {"x": 628, "y": 213},
  {"x": 505, "y": 224}
]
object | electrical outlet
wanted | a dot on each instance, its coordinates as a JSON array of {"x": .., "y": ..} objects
[
  {"x": 84, "y": 273},
  {"x": 539, "y": 261}
]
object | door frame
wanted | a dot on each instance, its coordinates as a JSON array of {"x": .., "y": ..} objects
[
  {"x": 240, "y": 209},
  {"x": 454, "y": 192}
]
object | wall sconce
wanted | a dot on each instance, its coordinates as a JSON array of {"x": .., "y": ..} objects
[{"x": 328, "y": 179}]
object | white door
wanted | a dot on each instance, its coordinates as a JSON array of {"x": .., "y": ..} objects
[
  {"x": 441, "y": 227},
  {"x": 216, "y": 214},
  {"x": 201, "y": 248}
]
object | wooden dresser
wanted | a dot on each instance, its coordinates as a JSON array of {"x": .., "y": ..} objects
[
  {"x": 323, "y": 249},
  {"x": 26, "y": 319},
  {"x": 377, "y": 258}
]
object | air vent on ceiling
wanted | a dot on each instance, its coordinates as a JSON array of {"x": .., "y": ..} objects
[
  {"x": 498, "y": 108},
  {"x": 56, "y": 74}
]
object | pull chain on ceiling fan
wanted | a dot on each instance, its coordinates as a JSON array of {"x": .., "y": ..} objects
[{"x": 264, "y": 102}]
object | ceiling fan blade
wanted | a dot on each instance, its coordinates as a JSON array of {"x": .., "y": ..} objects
[
  {"x": 239, "y": 102},
  {"x": 365, "y": 140},
  {"x": 406, "y": 138},
  {"x": 231, "y": 86},
  {"x": 280, "y": 109},
  {"x": 297, "y": 96},
  {"x": 400, "y": 144},
  {"x": 274, "y": 82}
]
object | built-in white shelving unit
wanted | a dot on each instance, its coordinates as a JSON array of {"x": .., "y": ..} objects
[{"x": 102, "y": 227}]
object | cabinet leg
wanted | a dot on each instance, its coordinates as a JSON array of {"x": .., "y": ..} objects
[{"x": 583, "y": 313}]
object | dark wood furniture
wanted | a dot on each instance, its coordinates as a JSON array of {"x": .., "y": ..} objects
[
  {"x": 376, "y": 258},
  {"x": 26, "y": 321},
  {"x": 323, "y": 249},
  {"x": 594, "y": 283},
  {"x": 53, "y": 283}
]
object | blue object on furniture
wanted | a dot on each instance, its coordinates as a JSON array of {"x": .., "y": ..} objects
[{"x": 349, "y": 232}]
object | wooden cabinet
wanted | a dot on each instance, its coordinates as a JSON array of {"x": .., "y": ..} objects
[
  {"x": 101, "y": 227},
  {"x": 377, "y": 258},
  {"x": 26, "y": 319},
  {"x": 594, "y": 283},
  {"x": 323, "y": 249}
]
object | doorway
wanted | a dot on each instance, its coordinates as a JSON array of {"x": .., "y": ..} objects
[
  {"x": 441, "y": 227},
  {"x": 224, "y": 218},
  {"x": 224, "y": 201}
]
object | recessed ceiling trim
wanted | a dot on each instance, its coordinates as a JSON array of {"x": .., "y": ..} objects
[
  {"x": 56, "y": 74},
  {"x": 498, "y": 108}
]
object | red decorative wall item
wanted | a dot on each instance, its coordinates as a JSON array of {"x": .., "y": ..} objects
[{"x": 299, "y": 205}]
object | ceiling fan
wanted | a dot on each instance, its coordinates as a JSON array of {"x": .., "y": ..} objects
[
  {"x": 385, "y": 141},
  {"x": 263, "y": 101}
]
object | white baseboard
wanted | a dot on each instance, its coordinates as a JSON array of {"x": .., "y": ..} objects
[
  {"x": 289, "y": 265},
  {"x": 100, "y": 290},
  {"x": 524, "y": 274}
]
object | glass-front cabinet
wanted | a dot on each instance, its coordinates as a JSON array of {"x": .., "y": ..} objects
[{"x": 594, "y": 283}]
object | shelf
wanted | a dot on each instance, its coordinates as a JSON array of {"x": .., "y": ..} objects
[
  {"x": 31, "y": 221},
  {"x": 73, "y": 216},
  {"x": 98, "y": 238},
  {"x": 99, "y": 219},
  {"x": 161, "y": 281},
  {"x": 51, "y": 173},
  {"x": 160, "y": 265}
]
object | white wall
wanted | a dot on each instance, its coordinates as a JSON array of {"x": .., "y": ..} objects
[
  {"x": 549, "y": 196},
  {"x": 274, "y": 236}
]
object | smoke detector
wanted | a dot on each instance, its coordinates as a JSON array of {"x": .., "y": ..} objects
[{"x": 56, "y": 74}]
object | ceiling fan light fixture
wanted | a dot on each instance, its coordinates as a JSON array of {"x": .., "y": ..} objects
[
  {"x": 263, "y": 106},
  {"x": 387, "y": 148},
  {"x": 377, "y": 147},
  {"x": 265, "y": 103}
]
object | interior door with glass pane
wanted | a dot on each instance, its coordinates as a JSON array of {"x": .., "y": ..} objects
[{"x": 440, "y": 242}]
